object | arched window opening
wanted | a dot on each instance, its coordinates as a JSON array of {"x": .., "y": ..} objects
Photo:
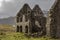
[
  {"x": 21, "y": 19},
  {"x": 17, "y": 19},
  {"x": 20, "y": 28},
  {"x": 26, "y": 29},
  {"x": 28, "y": 11},
  {"x": 17, "y": 28},
  {"x": 26, "y": 18}
]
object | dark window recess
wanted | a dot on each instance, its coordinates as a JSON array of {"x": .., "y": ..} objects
[
  {"x": 28, "y": 11},
  {"x": 17, "y": 28},
  {"x": 26, "y": 29},
  {"x": 26, "y": 18},
  {"x": 20, "y": 28},
  {"x": 21, "y": 19},
  {"x": 17, "y": 19}
]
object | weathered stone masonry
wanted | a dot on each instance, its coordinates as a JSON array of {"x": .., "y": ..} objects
[
  {"x": 23, "y": 19},
  {"x": 33, "y": 21},
  {"x": 53, "y": 20},
  {"x": 40, "y": 20},
  {"x": 30, "y": 21}
]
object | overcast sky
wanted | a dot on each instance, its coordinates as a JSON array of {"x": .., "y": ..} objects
[{"x": 11, "y": 7}]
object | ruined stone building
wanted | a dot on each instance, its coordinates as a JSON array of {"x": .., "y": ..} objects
[
  {"x": 30, "y": 20},
  {"x": 53, "y": 20},
  {"x": 23, "y": 19},
  {"x": 39, "y": 20},
  {"x": 33, "y": 21}
]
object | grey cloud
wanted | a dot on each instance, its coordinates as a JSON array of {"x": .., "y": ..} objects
[{"x": 11, "y": 9}]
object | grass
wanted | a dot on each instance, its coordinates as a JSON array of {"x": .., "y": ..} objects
[
  {"x": 7, "y": 33},
  {"x": 20, "y": 36},
  {"x": 6, "y": 28}
]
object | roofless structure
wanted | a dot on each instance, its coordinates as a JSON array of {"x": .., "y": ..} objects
[
  {"x": 30, "y": 20},
  {"x": 53, "y": 20}
]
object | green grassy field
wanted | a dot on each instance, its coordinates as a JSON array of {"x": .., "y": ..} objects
[
  {"x": 20, "y": 36},
  {"x": 6, "y": 28},
  {"x": 7, "y": 32}
]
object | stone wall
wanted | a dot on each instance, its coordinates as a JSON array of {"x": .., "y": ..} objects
[
  {"x": 31, "y": 20},
  {"x": 53, "y": 20},
  {"x": 23, "y": 19}
]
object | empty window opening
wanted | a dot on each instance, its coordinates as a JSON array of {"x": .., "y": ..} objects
[
  {"x": 21, "y": 19},
  {"x": 17, "y": 28},
  {"x": 17, "y": 19},
  {"x": 20, "y": 28},
  {"x": 28, "y": 11},
  {"x": 26, "y": 18},
  {"x": 26, "y": 29}
]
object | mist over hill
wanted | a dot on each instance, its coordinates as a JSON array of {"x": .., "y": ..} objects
[{"x": 11, "y": 20}]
